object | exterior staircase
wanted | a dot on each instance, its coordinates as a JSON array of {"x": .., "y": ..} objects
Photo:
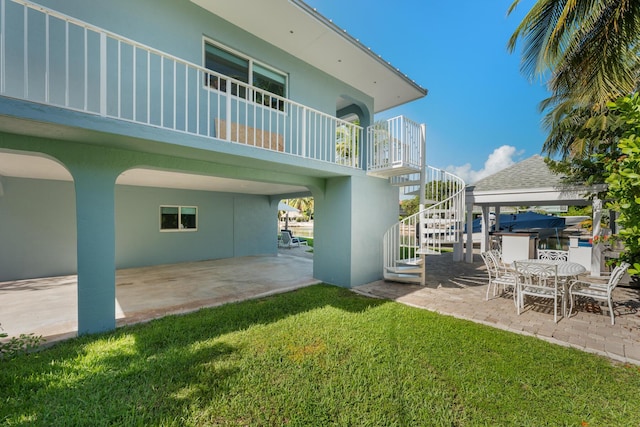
[{"x": 396, "y": 151}]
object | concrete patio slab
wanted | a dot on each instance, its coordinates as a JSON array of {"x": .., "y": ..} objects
[{"x": 48, "y": 307}]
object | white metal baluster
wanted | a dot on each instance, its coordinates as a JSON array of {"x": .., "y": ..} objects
[
  {"x": 354, "y": 146},
  {"x": 119, "y": 94},
  {"x": 134, "y": 99},
  {"x": 161, "y": 92},
  {"x": 103, "y": 74},
  {"x": 277, "y": 116},
  {"x": 198, "y": 101},
  {"x": 313, "y": 135},
  {"x": 186, "y": 98},
  {"x": 2, "y": 47},
  {"x": 228, "y": 111},
  {"x": 175, "y": 99},
  {"x": 47, "y": 66},
  {"x": 270, "y": 117},
  {"x": 67, "y": 87},
  {"x": 86, "y": 71},
  {"x": 26, "y": 54},
  {"x": 317, "y": 126},
  {"x": 148, "y": 84},
  {"x": 255, "y": 119},
  {"x": 250, "y": 96},
  {"x": 218, "y": 110},
  {"x": 209, "y": 94},
  {"x": 267, "y": 119}
]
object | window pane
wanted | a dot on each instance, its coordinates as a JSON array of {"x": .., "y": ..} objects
[
  {"x": 268, "y": 80},
  {"x": 168, "y": 218},
  {"x": 188, "y": 218},
  {"x": 227, "y": 64}
]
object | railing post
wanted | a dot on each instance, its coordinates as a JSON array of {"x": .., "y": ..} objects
[
  {"x": 2, "y": 48},
  {"x": 103, "y": 74},
  {"x": 303, "y": 139},
  {"x": 227, "y": 112},
  {"x": 25, "y": 52}
]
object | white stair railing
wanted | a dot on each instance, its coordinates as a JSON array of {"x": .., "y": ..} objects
[{"x": 407, "y": 242}]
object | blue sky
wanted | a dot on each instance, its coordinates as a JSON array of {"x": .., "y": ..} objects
[{"x": 481, "y": 111}]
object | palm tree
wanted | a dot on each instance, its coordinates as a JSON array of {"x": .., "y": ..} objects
[
  {"x": 589, "y": 51},
  {"x": 304, "y": 205},
  {"x": 348, "y": 144},
  {"x": 589, "y": 46}
]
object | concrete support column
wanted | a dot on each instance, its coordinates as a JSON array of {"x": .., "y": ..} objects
[
  {"x": 469, "y": 243},
  {"x": 497, "y": 223},
  {"x": 484, "y": 243},
  {"x": 349, "y": 232},
  {"x": 95, "y": 214}
]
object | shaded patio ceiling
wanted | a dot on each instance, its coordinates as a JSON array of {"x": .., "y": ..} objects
[{"x": 36, "y": 167}]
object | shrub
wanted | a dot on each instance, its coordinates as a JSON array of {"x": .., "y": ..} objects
[{"x": 18, "y": 345}]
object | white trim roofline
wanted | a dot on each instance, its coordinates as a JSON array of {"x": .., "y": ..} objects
[
  {"x": 518, "y": 197},
  {"x": 356, "y": 43},
  {"x": 301, "y": 31}
]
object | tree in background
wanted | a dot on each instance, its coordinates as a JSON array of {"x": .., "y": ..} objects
[
  {"x": 410, "y": 206},
  {"x": 435, "y": 191},
  {"x": 588, "y": 52},
  {"x": 624, "y": 179},
  {"x": 304, "y": 205}
]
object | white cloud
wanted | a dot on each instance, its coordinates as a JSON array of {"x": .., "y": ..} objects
[{"x": 501, "y": 158}]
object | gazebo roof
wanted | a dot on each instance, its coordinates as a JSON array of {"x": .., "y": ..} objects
[
  {"x": 529, "y": 183},
  {"x": 530, "y": 173}
]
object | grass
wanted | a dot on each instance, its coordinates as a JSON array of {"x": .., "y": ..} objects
[{"x": 317, "y": 356}]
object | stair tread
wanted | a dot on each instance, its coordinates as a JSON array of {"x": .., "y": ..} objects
[
  {"x": 403, "y": 278},
  {"x": 409, "y": 261},
  {"x": 430, "y": 252},
  {"x": 405, "y": 270}
]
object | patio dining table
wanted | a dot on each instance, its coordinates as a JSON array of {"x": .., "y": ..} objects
[{"x": 566, "y": 270}]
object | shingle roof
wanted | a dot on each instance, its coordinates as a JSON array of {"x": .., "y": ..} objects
[{"x": 529, "y": 173}]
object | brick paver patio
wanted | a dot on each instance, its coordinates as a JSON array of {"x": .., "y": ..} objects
[{"x": 458, "y": 289}]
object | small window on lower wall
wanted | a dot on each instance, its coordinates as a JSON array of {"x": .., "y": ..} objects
[{"x": 178, "y": 218}]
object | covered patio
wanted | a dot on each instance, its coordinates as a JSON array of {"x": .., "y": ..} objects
[{"x": 48, "y": 306}]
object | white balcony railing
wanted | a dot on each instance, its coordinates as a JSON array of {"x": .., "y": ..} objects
[
  {"x": 54, "y": 59},
  {"x": 395, "y": 147}
]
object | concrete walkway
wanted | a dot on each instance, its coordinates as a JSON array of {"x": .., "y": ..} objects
[{"x": 459, "y": 289}]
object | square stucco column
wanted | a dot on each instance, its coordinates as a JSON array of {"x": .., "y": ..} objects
[
  {"x": 96, "y": 250},
  {"x": 349, "y": 224}
]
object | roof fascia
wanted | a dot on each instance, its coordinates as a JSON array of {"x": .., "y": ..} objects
[{"x": 356, "y": 43}]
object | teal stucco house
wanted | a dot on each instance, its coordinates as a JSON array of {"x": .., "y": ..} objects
[{"x": 146, "y": 132}]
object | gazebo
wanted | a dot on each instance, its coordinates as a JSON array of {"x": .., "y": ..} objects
[{"x": 528, "y": 183}]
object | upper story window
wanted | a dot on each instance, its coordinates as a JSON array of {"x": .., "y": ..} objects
[{"x": 246, "y": 70}]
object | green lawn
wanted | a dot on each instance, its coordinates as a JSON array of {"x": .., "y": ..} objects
[{"x": 318, "y": 356}]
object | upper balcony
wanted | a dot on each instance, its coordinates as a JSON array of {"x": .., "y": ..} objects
[
  {"x": 54, "y": 59},
  {"x": 50, "y": 58}
]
